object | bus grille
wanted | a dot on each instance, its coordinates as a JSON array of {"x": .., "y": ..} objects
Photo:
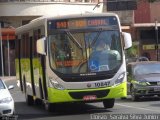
[{"x": 80, "y": 95}]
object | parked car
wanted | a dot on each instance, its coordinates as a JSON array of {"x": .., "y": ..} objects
[
  {"x": 142, "y": 58},
  {"x": 6, "y": 101},
  {"x": 143, "y": 79},
  {"x": 136, "y": 59}
]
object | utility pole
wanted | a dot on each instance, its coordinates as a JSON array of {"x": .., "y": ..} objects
[
  {"x": 156, "y": 36},
  {"x": 8, "y": 46},
  {"x": 2, "y": 65}
]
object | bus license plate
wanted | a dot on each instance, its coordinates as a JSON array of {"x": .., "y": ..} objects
[{"x": 89, "y": 97}]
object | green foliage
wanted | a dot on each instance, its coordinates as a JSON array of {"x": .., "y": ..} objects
[{"x": 133, "y": 51}]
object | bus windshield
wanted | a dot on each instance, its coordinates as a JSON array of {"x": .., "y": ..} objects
[{"x": 73, "y": 52}]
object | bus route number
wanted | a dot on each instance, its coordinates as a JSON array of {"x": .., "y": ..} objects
[{"x": 102, "y": 84}]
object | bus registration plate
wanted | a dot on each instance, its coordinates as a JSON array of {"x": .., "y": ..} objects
[{"x": 89, "y": 97}]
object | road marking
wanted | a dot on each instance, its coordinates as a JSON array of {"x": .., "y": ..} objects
[{"x": 138, "y": 108}]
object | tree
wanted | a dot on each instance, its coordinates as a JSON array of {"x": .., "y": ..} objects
[{"x": 133, "y": 51}]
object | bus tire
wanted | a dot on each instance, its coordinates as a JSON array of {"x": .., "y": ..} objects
[
  {"x": 29, "y": 100},
  {"x": 123, "y": 98},
  {"x": 49, "y": 107},
  {"x": 38, "y": 101},
  {"x": 108, "y": 103}
]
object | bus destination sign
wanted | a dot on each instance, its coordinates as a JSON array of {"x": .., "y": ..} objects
[{"x": 82, "y": 23}]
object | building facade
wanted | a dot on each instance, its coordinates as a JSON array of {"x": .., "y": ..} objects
[
  {"x": 19, "y": 12},
  {"x": 138, "y": 18},
  {"x": 14, "y": 13},
  {"x": 146, "y": 29},
  {"x": 141, "y": 20}
]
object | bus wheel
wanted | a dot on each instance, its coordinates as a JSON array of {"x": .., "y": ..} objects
[
  {"x": 108, "y": 103},
  {"x": 38, "y": 101},
  {"x": 29, "y": 100},
  {"x": 49, "y": 107},
  {"x": 123, "y": 98}
]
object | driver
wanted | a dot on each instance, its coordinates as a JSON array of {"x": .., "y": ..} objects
[{"x": 102, "y": 57}]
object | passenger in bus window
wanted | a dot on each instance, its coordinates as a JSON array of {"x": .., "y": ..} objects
[
  {"x": 102, "y": 46},
  {"x": 57, "y": 53},
  {"x": 99, "y": 57}
]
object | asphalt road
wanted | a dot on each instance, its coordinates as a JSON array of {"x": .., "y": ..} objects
[{"x": 146, "y": 108}]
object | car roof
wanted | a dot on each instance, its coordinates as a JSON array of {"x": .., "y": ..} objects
[{"x": 143, "y": 62}]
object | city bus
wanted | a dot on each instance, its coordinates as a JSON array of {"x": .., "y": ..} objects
[{"x": 54, "y": 62}]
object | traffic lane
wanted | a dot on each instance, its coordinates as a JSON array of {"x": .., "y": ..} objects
[
  {"x": 84, "y": 111},
  {"x": 81, "y": 111},
  {"x": 70, "y": 111},
  {"x": 63, "y": 110},
  {"x": 144, "y": 105}
]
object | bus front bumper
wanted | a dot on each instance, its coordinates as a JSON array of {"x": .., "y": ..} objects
[{"x": 99, "y": 94}]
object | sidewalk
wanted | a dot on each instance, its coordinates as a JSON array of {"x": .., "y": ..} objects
[{"x": 6, "y": 78}]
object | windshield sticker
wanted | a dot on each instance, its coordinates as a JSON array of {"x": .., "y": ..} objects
[{"x": 94, "y": 65}]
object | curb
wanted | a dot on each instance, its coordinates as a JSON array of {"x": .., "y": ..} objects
[{"x": 8, "y": 78}]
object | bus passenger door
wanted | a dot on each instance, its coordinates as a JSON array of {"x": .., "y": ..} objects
[
  {"x": 38, "y": 66},
  {"x": 31, "y": 70}
]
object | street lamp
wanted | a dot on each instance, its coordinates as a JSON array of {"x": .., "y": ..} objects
[{"x": 157, "y": 42}]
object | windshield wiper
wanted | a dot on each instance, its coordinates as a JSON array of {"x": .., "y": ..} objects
[
  {"x": 74, "y": 39},
  {"x": 96, "y": 38}
]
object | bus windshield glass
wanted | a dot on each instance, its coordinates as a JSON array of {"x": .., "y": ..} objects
[{"x": 85, "y": 51}]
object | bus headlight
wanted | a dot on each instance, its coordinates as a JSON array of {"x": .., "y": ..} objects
[
  {"x": 56, "y": 85},
  {"x": 120, "y": 79}
]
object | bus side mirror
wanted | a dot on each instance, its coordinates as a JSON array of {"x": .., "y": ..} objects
[
  {"x": 41, "y": 46},
  {"x": 127, "y": 40}
]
